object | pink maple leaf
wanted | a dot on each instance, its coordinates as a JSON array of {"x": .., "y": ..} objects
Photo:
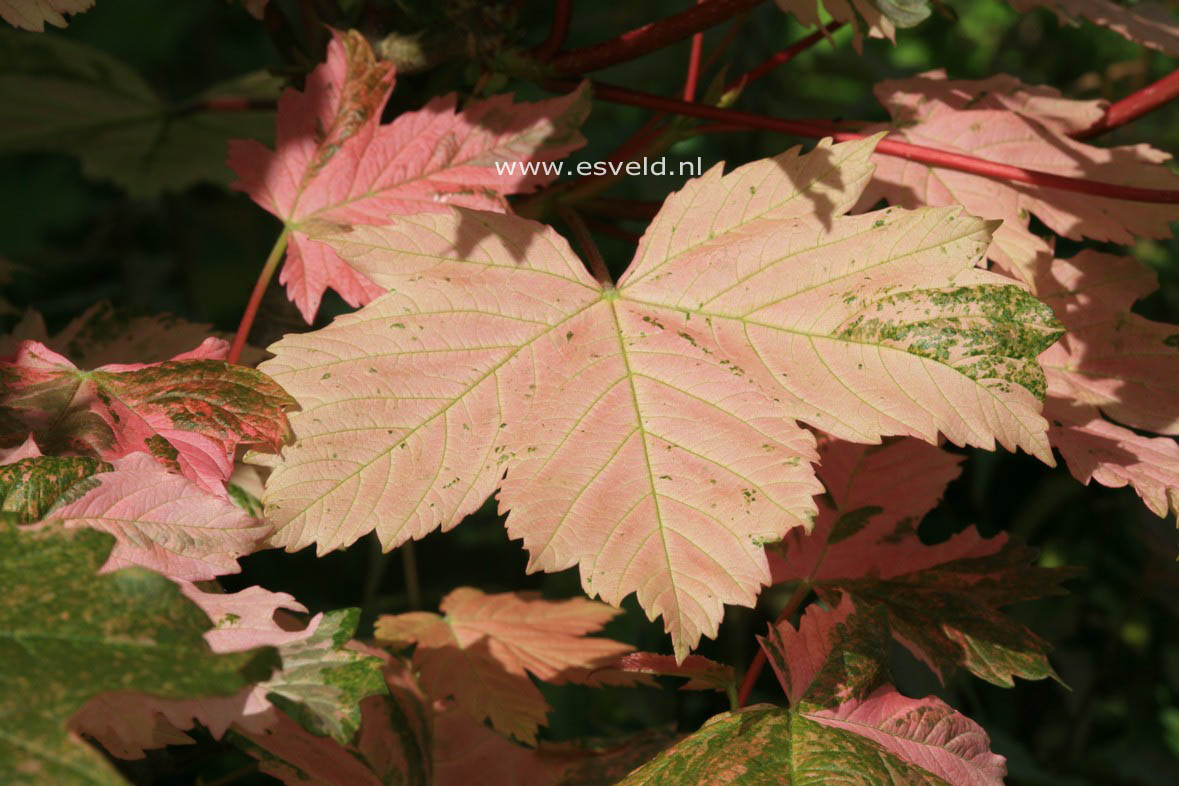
[
  {"x": 164, "y": 522},
  {"x": 1001, "y": 119},
  {"x": 190, "y": 412},
  {"x": 335, "y": 164},
  {"x": 1115, "y": 364},
  {"x": 942, "y": 601},
  {"x": 821, "y": 668},
  {"x": 483, "y": 649}
]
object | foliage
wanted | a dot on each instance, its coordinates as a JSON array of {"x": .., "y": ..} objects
[{"x": 758, "y": 409}]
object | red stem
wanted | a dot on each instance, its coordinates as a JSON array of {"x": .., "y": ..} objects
[
  {"x": 693, "y": 75},
  {"x": 759, "y": 659},
  {"x": 785, "y": 56},
  {"x": 1135, "y": 105},
  {"x": 655, "y": 35},
  {"x": 751, "y": 674},
  {"x": 925, "y": 155},
  {"x": 267, "y": 273},
  {"x": 562, "y": 12}
]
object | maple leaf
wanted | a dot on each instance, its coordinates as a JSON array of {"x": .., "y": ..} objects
[
  {"x": 394, "y": 744},
  {"x": 1115, "y": 456},
  {"x": 483, "y": 649},
  {"x": 844, "y": 718},
  {"x": 647, "y": 431},
  {"x": 941, "y": 602},
  {"x": 702, "y": 673},
  {"x": 874, "y": 13},
  {"x": 335, "y": 163},
  {"x": 190, "y": 412},
  {"x": 1111, "y": 358},
  {"x": 101, "y": 335},
  {"x": 406, "y": 738},
  {"x": 64, "y": 96},
  {"x": 320, "y": 686},
  {"x": 1149, "y": 24},
  {"x": 64, "y": 638},
  {"x": 160, "y": 520},
  {"x": 33, "y": 14},
  {"x": 1000, "y": 119},
  {"x": 1115, "y": 362}
]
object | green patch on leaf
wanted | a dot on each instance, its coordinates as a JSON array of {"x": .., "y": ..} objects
[
  {"x": 989, "y": 333},
  {"x": 32, "y": 487},
  {"x": 68, "y": 634},
  {"x": 322, "y": 683}
]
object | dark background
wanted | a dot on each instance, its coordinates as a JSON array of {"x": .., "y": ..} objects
[{"x": 196, "y": 253}]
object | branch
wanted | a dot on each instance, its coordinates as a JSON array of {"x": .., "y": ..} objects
[
  {"x": 693, "y": 75},
  {"x": 656, "y": 35},
  {"x": 562, "y": 11},
  {"x": 926, "y": 155},
  {"x": 1135, "y": 106}
]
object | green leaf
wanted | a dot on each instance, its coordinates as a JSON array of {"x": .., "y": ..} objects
[
  {"x": 68, "y": 634},
  {"x": 61, "y": 96},
  {"x": 32, "y": 487},
  {"x": 321, "y": 683}
]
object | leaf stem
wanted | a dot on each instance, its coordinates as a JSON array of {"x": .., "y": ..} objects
[
  {"x": 817, "y": 129},
  {"x": 650, "y": 37},
  {"x": 759, "y": 659},
  {"x": 1135, "y": 105},
  {"x": 589, "y": 248},
  {"x": 243, "y": 329},
  {"x": 562, "y": 13}
]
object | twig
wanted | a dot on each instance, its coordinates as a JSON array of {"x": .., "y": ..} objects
[
  {"x": 267, "y": 273},
  {"x": 726, "y": 40},
  {"x": 656, "y": 35},
  {"x": 693, "y": 75},
  {"x": 890, "y": 147},
  {"x": 562, "y": 12},
  {"x": 1135, "y": 106}
]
